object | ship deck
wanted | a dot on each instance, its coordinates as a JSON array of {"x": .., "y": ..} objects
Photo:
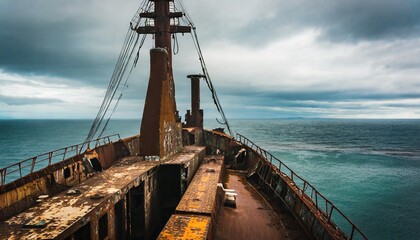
[
  {"x": 60, "y": 215},
  {"x": 253, "y": 218},
  {"x": 198, "y": 207}
]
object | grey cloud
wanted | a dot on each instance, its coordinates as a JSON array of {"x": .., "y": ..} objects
[
  {"x": 61, "y": 38},
  {"x": 81, "y": 40},
  {"x": 307, "y": 95},
  {"x": 338, "y": 20},
  {"x": 407, "y": 105},
  {"x": 27, "y": 100},
  {"x": 372, "y": 19}
]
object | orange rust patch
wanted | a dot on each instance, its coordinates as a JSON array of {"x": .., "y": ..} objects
[
  {"x": 53, "y": 217},
  {"x": 186, "y": 227},
  {"x": 200, "y": 196}
]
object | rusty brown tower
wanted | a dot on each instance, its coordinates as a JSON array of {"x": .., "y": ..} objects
[
  {"x": 194, "y": 117},
  {"x": 160, "y": 130}
]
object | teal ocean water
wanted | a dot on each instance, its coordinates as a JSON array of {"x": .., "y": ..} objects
[{"x": 370, "y": 169}]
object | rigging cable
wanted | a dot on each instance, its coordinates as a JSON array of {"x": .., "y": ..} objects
[
  {"x": 204, "y": 69},
  {"x": 125, "y": 85},
  {"x": 125, "y": 56},
  {"x": 114, "y": 83},
  {"x": 110, "y": 90},
  {"x": 175, "y": 49}
]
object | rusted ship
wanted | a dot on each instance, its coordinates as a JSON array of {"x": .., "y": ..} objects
[{"x": 174, "y": 180}]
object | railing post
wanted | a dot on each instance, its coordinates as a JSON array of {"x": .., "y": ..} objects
[
  {"x": 33, "y": 164},
  {"x": 20, "y": 170},
  {"x": 64, "y": 154},
  {"x": 329, "y": 216},
  {"x": 352, "y": 232},
  {"x": 3, "y": 176},
  {"x": 50, "y": 154}
]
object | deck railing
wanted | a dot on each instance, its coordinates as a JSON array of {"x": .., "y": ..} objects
[
  {"x": 30, "y": 165},
  {"x": 319, "y": 201}
]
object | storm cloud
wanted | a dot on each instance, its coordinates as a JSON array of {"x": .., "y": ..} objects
[{"x": 273, "y": 58}]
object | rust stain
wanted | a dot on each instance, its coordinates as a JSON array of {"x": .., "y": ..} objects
[
  {"x": 252, "y": 218},
  {"x": 185, "y": 156},
  {"x": 186, "y": 227},
  {"x": 61, "y": 212},
  {"x": 200, "y": 196},
  {"x": 194, "y": 118}
]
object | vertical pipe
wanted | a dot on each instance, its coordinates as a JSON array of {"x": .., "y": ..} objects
[
  {"x": 196, "y": 117},
  {"x": 195, "y": 96}
]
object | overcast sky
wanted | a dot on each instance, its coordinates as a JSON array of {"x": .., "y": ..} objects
[{"x": 271, "y": 58}]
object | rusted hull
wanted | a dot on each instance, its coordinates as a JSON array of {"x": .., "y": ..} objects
[
  {"x": 162, "y": 187},
  {"x": 127, "y": 199},
  {"x": 20, "y": 194},
  {"x": 61, "y": 216}
]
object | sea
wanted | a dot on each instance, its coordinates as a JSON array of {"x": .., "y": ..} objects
[{"x": 369, "y": 169}]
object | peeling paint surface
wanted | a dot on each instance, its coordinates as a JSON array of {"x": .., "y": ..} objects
[
  {"x": 53, "y": 216},
  {"x": 200, "y": 196},
  {"x": 186, "y": 227},
  {"x": 185, "y": 156}
]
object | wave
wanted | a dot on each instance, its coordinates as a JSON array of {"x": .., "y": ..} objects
[{"x": 362, "y": 149}]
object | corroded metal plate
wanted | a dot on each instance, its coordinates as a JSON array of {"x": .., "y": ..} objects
[
  {"x": 60, "y": 215},
  {"x": 186, "y": 227},
  {"x": 200, "y": 196}
]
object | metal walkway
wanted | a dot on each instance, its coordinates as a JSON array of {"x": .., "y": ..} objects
[{"x": 253, "y": 218}]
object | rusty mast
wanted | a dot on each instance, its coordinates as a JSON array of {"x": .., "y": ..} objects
[{"x": 160, "y": 127}]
